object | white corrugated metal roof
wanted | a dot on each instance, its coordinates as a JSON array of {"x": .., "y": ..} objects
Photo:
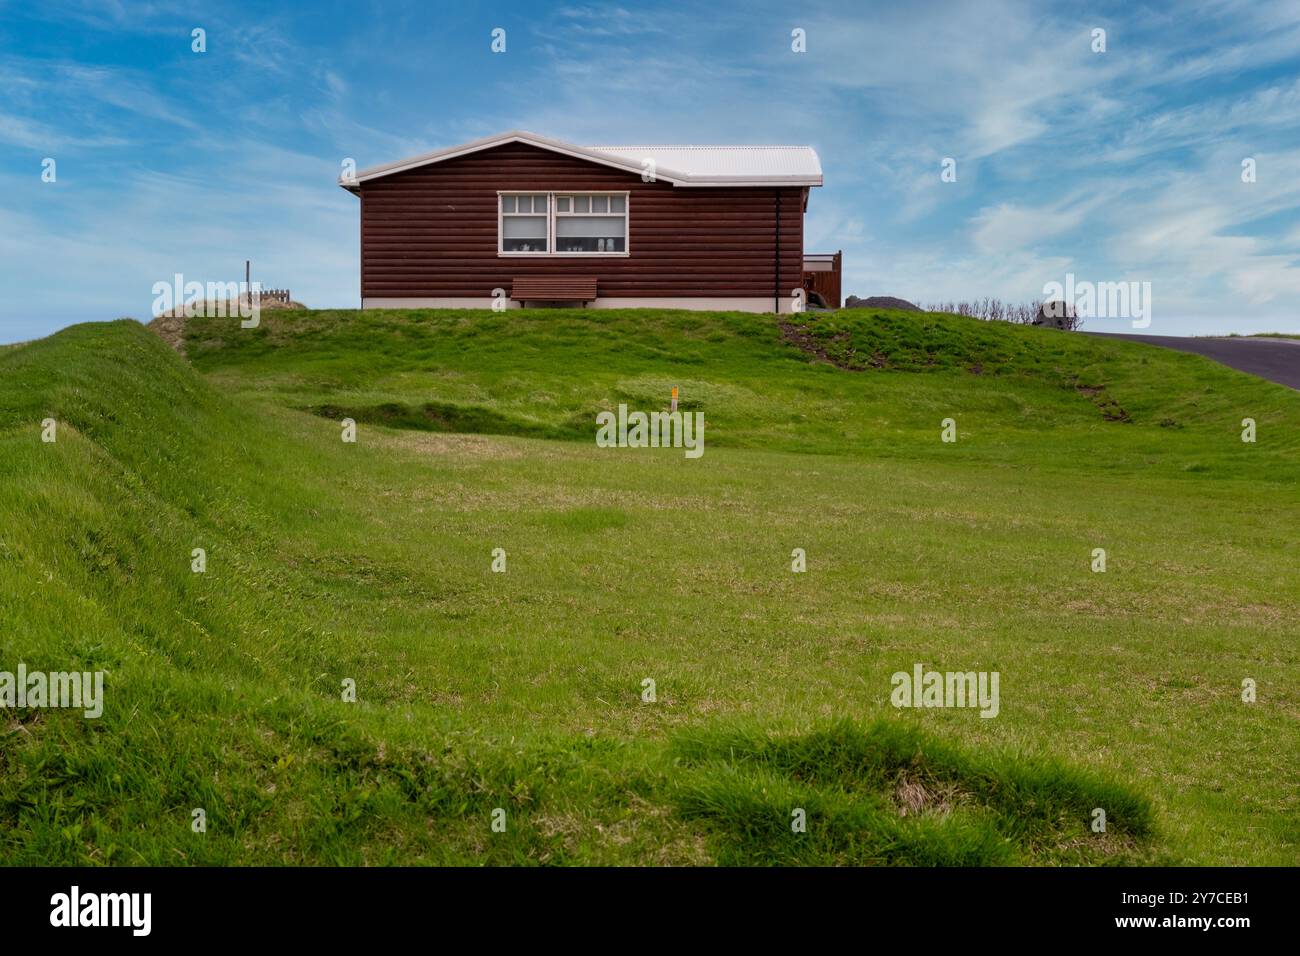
[
  {"x": 679, "y": 165},
  {"x": 728, "y": 163}
]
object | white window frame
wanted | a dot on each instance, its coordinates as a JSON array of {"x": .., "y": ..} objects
[
  {"x": 501, "y": 221},
  {"x": 552, "y": 213}
]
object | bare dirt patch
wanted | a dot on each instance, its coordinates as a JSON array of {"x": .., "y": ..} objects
[
  {"x": 1109, "y": 408},
  {"x": 171, "y": 329},
  {"x": 914, "y": 796},
  {"x": 811, "y": 345}
]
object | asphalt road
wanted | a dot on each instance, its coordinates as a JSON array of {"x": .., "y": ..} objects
[{"x": 1277, "y": 360}]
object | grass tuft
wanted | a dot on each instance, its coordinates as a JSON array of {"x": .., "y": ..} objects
[{"x": 888, "y": 794}]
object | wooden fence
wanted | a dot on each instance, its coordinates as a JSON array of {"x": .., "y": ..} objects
[{"x": 822, "y": 275}]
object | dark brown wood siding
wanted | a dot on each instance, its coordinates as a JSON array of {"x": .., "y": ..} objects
[{"x": 432, "y": 231}]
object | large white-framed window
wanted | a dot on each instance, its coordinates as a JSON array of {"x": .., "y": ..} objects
[
  {"x": 587, "y": 223},
  {"x": 525, "y": 223},
  {"x": 562, "y": 224}
]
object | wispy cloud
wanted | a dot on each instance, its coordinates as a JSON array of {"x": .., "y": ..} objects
[
  {"x": 608, "y": 21},
  {"x": 1122, "y": 164}
]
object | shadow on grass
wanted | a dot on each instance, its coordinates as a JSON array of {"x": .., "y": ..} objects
[{"x": 455, "y": 418}]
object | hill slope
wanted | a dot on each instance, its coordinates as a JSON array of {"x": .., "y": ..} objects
[
  {"x": 763, "y": 385},
  {"x": 371, "y": 562}
]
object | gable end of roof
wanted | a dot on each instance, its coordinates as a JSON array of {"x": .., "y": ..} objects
[{"x": 678, "y": 165}]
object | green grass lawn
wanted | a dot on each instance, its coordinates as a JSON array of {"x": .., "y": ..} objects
[{"x": 523, "y": 691}]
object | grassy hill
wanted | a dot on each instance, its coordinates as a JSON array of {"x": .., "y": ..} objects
[
  {"x": 547, "y": 373},
  {"x": 371, "y": 562}
]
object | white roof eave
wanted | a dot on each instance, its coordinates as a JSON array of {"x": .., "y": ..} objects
[{"x": 753, "y": 181}]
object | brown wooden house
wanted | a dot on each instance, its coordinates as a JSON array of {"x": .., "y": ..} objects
[{"x": 528, "y": 220}]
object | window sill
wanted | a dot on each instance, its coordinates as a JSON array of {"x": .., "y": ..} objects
[{"x": 563, "y": 255}]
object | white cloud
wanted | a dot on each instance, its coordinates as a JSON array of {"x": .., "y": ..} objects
[
  {"x": 1008, "y": 227},
  {"x": 1110, "y": 165}
]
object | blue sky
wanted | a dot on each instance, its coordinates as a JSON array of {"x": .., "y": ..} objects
[{"x": 1115, "y": 166}]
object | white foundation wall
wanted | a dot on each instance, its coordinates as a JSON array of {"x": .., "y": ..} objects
[{"x": 697, "y": 303}]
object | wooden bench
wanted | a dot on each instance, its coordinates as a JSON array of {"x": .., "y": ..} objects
[{"x": 554, "y": 289}]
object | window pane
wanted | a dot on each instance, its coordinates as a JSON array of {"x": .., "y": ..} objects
[
  {"x": 539, "y": 203},
  {"x": 562, "y": 203},
  {"x": 590, "y": 244},
  {"x": 590, "y": 226},
  {"x": 616, "y": 204},
  {"x": 524, "y": 227},
  {"x": 582, "y": 204},
  {"x": 600, "y": 204},
  {"x": 591, "y": 234},
  {"x": 523, "y": 234},
  {"x": 507, "y": 203}
]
